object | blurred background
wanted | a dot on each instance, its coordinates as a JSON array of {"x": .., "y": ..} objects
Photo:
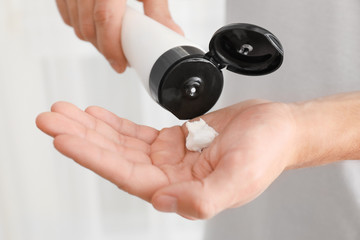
[{"x": 44, "y": 195}]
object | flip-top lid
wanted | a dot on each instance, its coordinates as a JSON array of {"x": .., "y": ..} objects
[{"x": 246, "y": 49}]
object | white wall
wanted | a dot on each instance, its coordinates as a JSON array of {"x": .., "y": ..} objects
[{"x": 44, "y": 195}]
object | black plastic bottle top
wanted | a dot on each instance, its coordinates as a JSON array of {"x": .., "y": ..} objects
[{"x": 188, "y": 82}]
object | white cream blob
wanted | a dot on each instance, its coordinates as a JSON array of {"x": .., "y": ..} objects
[{"x": 200, "y": 135}]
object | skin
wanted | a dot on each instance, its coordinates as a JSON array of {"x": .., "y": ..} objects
[
  {"x": 99, "y": 22},
  {"x": 257, "y": 141}
]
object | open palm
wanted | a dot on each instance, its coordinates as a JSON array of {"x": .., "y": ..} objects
[{"x": 252, "y": 149}]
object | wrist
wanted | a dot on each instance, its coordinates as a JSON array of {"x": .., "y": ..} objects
[{"x": 327, "y": 129}]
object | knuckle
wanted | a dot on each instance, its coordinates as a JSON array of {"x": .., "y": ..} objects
[
  {"x": 204, "y": 209},
  {"x": 122, "y": 66},
  {"x": 67, "y": 21},
  {"x": 107, "y": 49},
  {"x": 87, "y": 30},
  {"x": 102, "y": 15},
  {"x": 78, "y": 33}
]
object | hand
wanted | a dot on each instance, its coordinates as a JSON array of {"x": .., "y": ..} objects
[
  {"x": 99, "y": 22},
  {"x": 256, "y": 143}
]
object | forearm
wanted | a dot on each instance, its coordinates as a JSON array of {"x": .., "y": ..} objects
[{"x": 328, "y": 129}]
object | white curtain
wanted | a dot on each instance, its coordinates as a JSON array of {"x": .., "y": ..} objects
[{"x": 44, "y": 195}]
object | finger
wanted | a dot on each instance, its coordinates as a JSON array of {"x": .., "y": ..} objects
[
  {"x": 58, "y": 124},
  {"x": 159, "y": 11},
  {"x": 54, "y": 124},
  {"x": 202, "y": 199},
  {"x": 138, "y": 179},
  {"x": 86, "y": 22},
  {"x": 108, "y": 17},
  {"x": 74, "y": 17},
  {"x": 124, "y": 126},
  {"x": 72, "y": 112},
  {"x": 63, "y": 9}
]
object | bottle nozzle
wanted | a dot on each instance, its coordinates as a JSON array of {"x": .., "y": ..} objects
[{"x": 193, "y": 87}]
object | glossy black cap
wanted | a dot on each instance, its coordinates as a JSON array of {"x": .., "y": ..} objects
[
  {"x": 184, "y": 82},
  {"x": 246, "y": 49}
]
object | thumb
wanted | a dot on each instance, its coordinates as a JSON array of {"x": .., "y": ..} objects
[
  {"x": 200, "y": 199},
  {"x": 159, "y": 11}
]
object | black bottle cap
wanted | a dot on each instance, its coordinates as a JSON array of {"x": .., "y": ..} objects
[
  {"x": 246, "y": 49},
  {"x": 184, "y": 82},
  {"x": 188, "y": 82}
]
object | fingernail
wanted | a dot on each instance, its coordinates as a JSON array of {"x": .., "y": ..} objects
[
  {"x": 116, "y": 66},
  {"x": 166, "y": 203}
]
